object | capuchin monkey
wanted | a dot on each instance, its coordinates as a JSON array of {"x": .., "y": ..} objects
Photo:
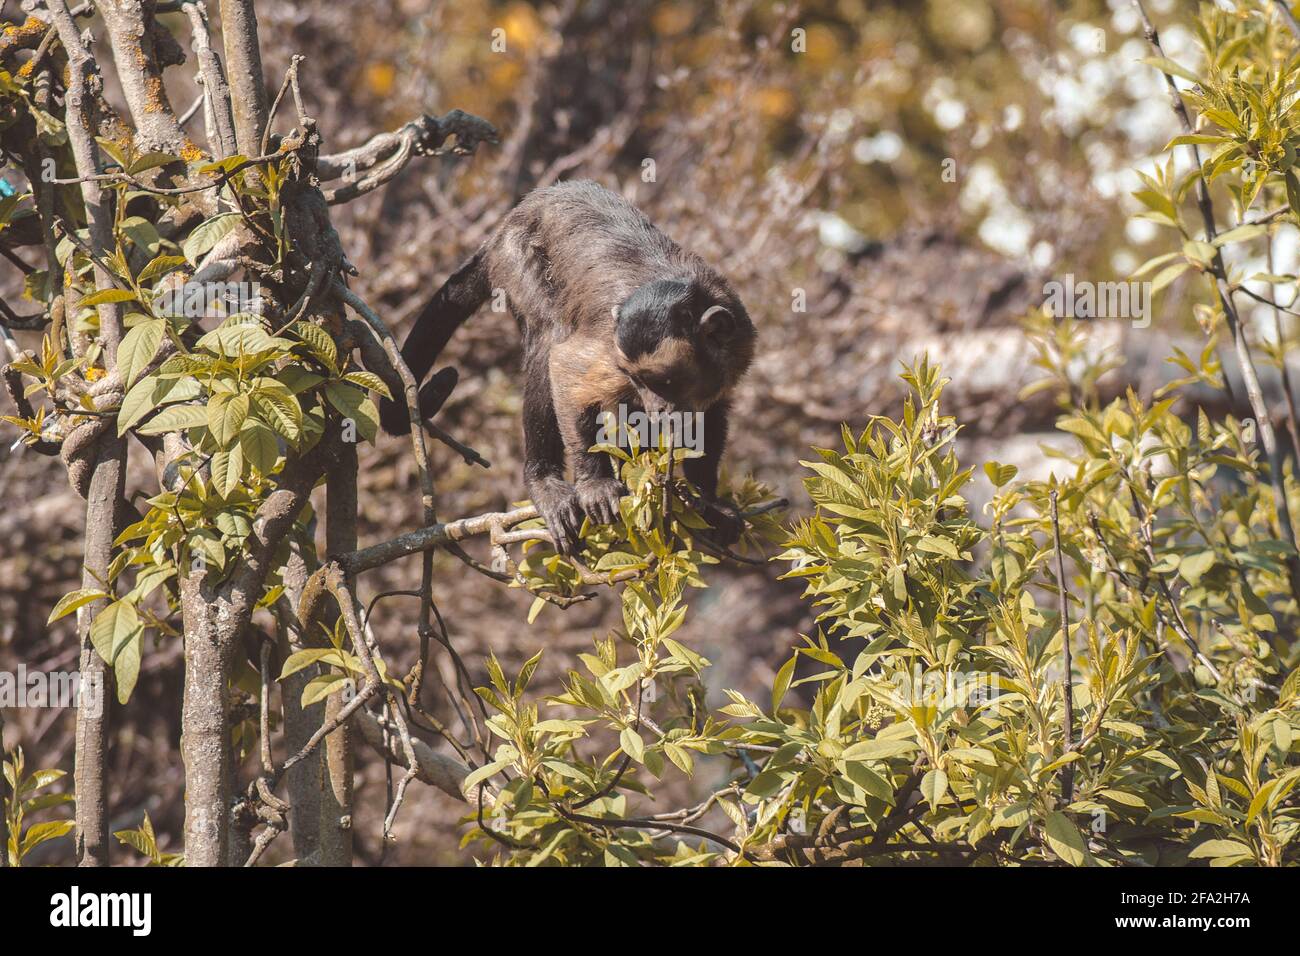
[{"x": 611, "y": 312}]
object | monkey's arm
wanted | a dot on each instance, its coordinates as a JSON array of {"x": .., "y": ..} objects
[
  {"x": 702, "y": 472},
  {"x": 555, "y": 498},
  {"x": 599, "y": 489}
]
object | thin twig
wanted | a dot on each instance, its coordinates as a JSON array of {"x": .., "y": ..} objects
[{"x": 1067, "y": 685}]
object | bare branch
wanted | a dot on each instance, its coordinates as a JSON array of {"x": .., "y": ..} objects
[
  {"x": 137, "y": 42},
  {"x": 437, "y": 770},
  {"x": 216, "y": 91},
  {"x": 244, "y": 70},
  {"x": 1067, "y": 681},
  {"x": 384, "y": 156}
]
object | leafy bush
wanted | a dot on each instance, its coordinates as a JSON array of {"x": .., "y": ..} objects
[
  {"x": 932, "y": 723},
  {"x": 22, "y": 800}
]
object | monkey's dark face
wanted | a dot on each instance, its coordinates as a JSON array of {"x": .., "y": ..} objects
[{"x": 673, "y": 342}]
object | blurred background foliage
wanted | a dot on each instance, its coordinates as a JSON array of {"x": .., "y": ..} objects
[{"x": 905, "y": 183}]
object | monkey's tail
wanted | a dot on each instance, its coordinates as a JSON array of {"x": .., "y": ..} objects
[{"x": 447, "y": 311}]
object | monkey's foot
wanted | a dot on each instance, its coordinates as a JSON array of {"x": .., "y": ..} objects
[
  {"x": 725, "y": 520},
  {"x": 599, "y": 498},
  {"x": 557, "y": 502}
]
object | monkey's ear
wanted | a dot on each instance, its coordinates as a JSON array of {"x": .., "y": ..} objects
[{"x": 716, "y": 322}]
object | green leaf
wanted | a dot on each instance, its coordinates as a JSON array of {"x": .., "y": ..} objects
[
  {"x": 139, "y": 346},
  {"x": 1242, "y": 233},
  {"x": 318, "y": 342},
  {"x": 139, "y": 841},
  {"x": 369, "y": 380},
  {"x": 150, "y": 392},
  {"x": 1193, "y": 566},
  {"x": 312, "y": 655},
  {"x": 1211, "y": 849},
  {"x": 632, "y": 744},
  {"x": 39, "y": 833},
  {"x": 174, "y": 418},
  {"x": 934, "y": 786},
  {"x": 1165, "y": 65},
  {"x": 869, "y": 780},
  {"x": 1293, "y": 190},
  {"x": 108, "y": 295},
  {"x": 1197, "y": 251},
  {"x": 224, "y": 165},
  {"x": 278, "y": 408},
  {"x": 680, "y": 756},
  {"x": 1065, "y": 839},
  {"x": 126, "y": 669},
  {"x": 143, "y": 235},
  {"x": 227, "y": 470},
  {"x": 73, "y": 600},
  {"x": 353, "y": 403},
  {"x": 483, "y": 773},
  {"x": 318, "y": 688},
  {"x": 39, "y": 779},
  {"x": 1259, "y": 801},
  {"x": 998, "y": 474},
  {"x": 208, "y": 234},
  {"x": 1167, "y": 275},
  {"x": 159, "y": 266},
  {"x": 113, "y": 628},
  {"x": 151, "y": 161},
  {"x": 239, "y": 338},
  {"x": 782, "y": 682},
  {"x": 259, "y": 446},
  {"x": 226, "y": 415},
  {"x": 1194, "y": 139},
  {"x": 878, "y": 749},
  {"x": 941, "y": 546}
]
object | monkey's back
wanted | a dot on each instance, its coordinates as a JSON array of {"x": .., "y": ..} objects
[{"x": 573, "y": 251}]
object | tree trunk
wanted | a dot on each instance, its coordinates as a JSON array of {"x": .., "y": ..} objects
[
  {"x": 107, "y": 483},
  {"x": 205, "y": 750},
  {"x": 336, "y": 782}
]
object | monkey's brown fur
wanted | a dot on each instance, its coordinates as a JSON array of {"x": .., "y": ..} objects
[{"x": 611, "y": 311}]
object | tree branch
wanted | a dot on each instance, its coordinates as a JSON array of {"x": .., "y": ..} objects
[
  {"x": 386, "y": 154},
  {"x": 244, "y": 70},
  {"x": 134, "y": 35},
  {"x": 218, "y": 121}
]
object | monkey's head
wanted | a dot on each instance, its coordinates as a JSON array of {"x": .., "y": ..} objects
[{"x": 680, "y": 345}]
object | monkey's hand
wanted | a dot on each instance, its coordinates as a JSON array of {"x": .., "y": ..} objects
[
  {"x": 599, "y": 498},
  {"x": 557, "y": 502},
  {"x": 724, "y": 519}
]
